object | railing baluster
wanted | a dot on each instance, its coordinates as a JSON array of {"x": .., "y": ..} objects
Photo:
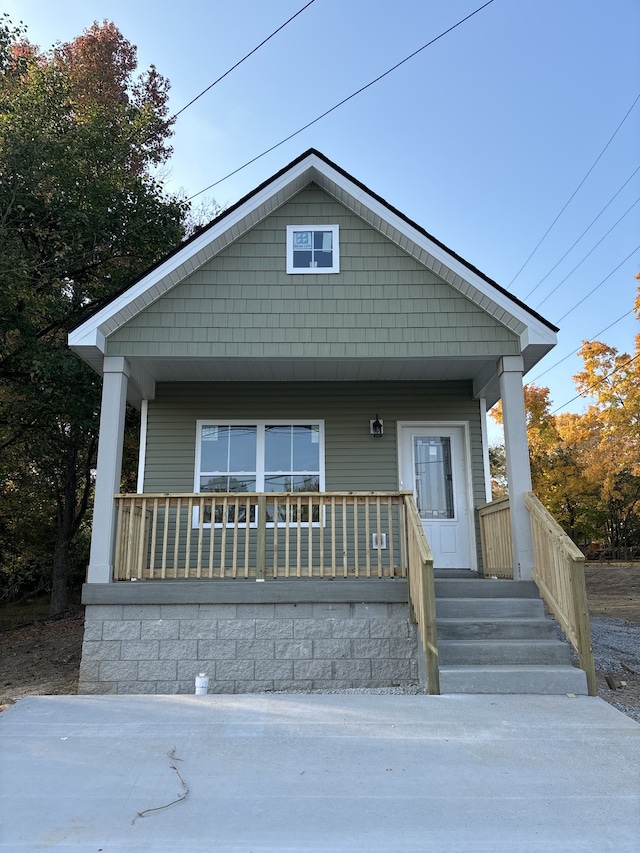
[
  {"x": 345, "y": 539},
  {"x": 298, "y": 534},
  {"x": 165, "y": 537},
  {"x": 200, "y": 537},
  {"x": 310, "y": 531},
  {"x": 176, "y": 544},
  {"x": 333, "y": 536},
  {"x": 390, "y": 537},
  {"x": 142, "y": 551},
  {"x": 154, "y": 532},
  {"x": 223, "y": 538},
  {"x": 276, "y": 527},
  {"x": 234, "y": 550},
  {"x": 287, "y": 541},
  {"x": 247, "y": 536},
  {"x": 212, "y": 535},
  {"x": 379, "y": 536},
  {"x": 367, "y": 527},
  {"x": 322, "y": 519},
  {"x": 187, "y": 554},
  {"x": 356, "y": 543},
  {"x": 261, "y": 539}
]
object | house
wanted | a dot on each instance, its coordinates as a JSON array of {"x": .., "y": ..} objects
[{"x": 304, "y": 367}]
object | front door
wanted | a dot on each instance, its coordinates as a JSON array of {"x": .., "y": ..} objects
[{"x": 433, "y": 464}]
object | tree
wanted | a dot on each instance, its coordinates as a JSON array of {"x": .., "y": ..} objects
[
  {"x": 586, "y": 468},
  {"x": 81, "y": 214},
  {"x": 556, "y": 473},
  {"x": 498, "y": 471},
  {"x": 612, "y": 457}
]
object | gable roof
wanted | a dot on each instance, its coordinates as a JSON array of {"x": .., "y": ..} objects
[{"x": 537, "y": 335}]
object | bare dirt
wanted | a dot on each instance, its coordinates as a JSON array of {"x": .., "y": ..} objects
[{"x": 43, "y": 658}]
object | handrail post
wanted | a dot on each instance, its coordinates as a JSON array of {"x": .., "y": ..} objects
[
  {"x": 429, "y": 640},
  {"x": 261, "y": 542},
  {"x": 583, "y": 627},
  {"x": 422, "y": 592}
]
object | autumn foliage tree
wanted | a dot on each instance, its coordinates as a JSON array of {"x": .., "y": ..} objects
[
  {"x": 81, "y": 214},
  {"x": 585, "y": 467}
]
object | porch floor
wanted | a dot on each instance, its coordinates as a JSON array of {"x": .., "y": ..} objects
[{"x": 356, "y": 772}]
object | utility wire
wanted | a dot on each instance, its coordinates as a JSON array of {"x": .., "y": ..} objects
[
  {"x": 591, "y": 292},
  {"x": 592, "y": 223},
  {"x": 574, "y": 193},
  {"x": 344, "y": 101},
  {"x": 575, "y": 351},
  {"x": 595, "y": 384},
  {"x": 233, "y": 67},
  {"x": 560, "y": 283}
]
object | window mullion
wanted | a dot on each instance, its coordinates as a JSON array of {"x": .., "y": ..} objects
[{"x": 260, "y": 457}]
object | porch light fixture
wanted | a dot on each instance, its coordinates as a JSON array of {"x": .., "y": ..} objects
[{"x": 376, "y": 427}]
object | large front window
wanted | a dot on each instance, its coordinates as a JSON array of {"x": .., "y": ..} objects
[{"x": 267, "y": 456}]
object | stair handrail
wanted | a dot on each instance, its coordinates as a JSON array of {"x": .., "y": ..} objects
[
  {"x": 422, "y": 591},
  {"x": 559, "y": 575}
]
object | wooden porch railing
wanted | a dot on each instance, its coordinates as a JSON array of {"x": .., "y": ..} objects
[
  {"x": 258, "y": 535},
  {"x": 495, "y": 537},
  {"x": 558, "y": 572},
  {"x": 422, "y": 592}
]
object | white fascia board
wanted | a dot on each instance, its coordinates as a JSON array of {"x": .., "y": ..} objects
[
  {"x": 536, "y": 331},
  {"x": 92, "y": 332}
]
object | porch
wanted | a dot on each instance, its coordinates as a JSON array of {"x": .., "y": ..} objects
[{"x": 196, "y": 553}]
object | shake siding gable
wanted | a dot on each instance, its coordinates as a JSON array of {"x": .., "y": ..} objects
[{"x": 383, "y": 302}]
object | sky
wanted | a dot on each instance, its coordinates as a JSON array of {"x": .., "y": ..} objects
[{"x": 508, "y": 136}]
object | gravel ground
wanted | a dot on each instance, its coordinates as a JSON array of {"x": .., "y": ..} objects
[{"x": 616, "y": 652}]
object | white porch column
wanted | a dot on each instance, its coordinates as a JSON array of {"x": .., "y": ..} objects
[
  {"x": 112, "y": 412},
  {"x": 510, "y": 369}
]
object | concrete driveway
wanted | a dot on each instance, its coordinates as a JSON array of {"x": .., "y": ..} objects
[{"x": 339, "y": 772}]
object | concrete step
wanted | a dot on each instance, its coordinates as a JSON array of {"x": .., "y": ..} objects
[
  {"x": 496, "y": 629},
  {"x": 503, "y": 652},
  {"x": 481, "y": 588},
  {"x": 489, "y": 608},
  {"x": 545, "y": 680},
  {"x": 467, "y": 574}
]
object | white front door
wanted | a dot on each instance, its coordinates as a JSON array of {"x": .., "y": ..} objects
[{"x": 433, "y": 464}]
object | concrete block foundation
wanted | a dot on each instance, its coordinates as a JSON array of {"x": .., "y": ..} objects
[{"x": 155, "y": 637}]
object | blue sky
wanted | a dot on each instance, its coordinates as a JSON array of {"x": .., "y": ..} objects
[{"x": 481, "y": 138}]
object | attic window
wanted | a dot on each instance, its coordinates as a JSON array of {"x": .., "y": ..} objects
[{"x": 313, "y": 249}]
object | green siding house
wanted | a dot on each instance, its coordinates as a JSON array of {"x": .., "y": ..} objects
[{"x": 302, "y": 366}]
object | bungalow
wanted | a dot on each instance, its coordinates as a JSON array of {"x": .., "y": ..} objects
[{"x": 312, "y": 372}]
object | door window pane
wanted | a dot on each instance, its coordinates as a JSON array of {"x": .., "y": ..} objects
[{"x": 433, "y": 476}]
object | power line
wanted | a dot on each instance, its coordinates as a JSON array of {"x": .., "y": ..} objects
[
  {"x": 233, "y": 67},
  {"x": 575, "y": 351},
  {"x": 574, "y": 193},
  {"x": 595, "y": 384},
  {"x": 591, "y": 292},
  {"x": 593, "y": 222},
  {"x": 343, "y": 101},
  {"x": 560, "y": 283}
]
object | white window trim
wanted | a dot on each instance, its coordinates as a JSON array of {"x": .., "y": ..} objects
[
  {"x": 260, "y": 470},
  {"x": 335, "y": 231}
]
